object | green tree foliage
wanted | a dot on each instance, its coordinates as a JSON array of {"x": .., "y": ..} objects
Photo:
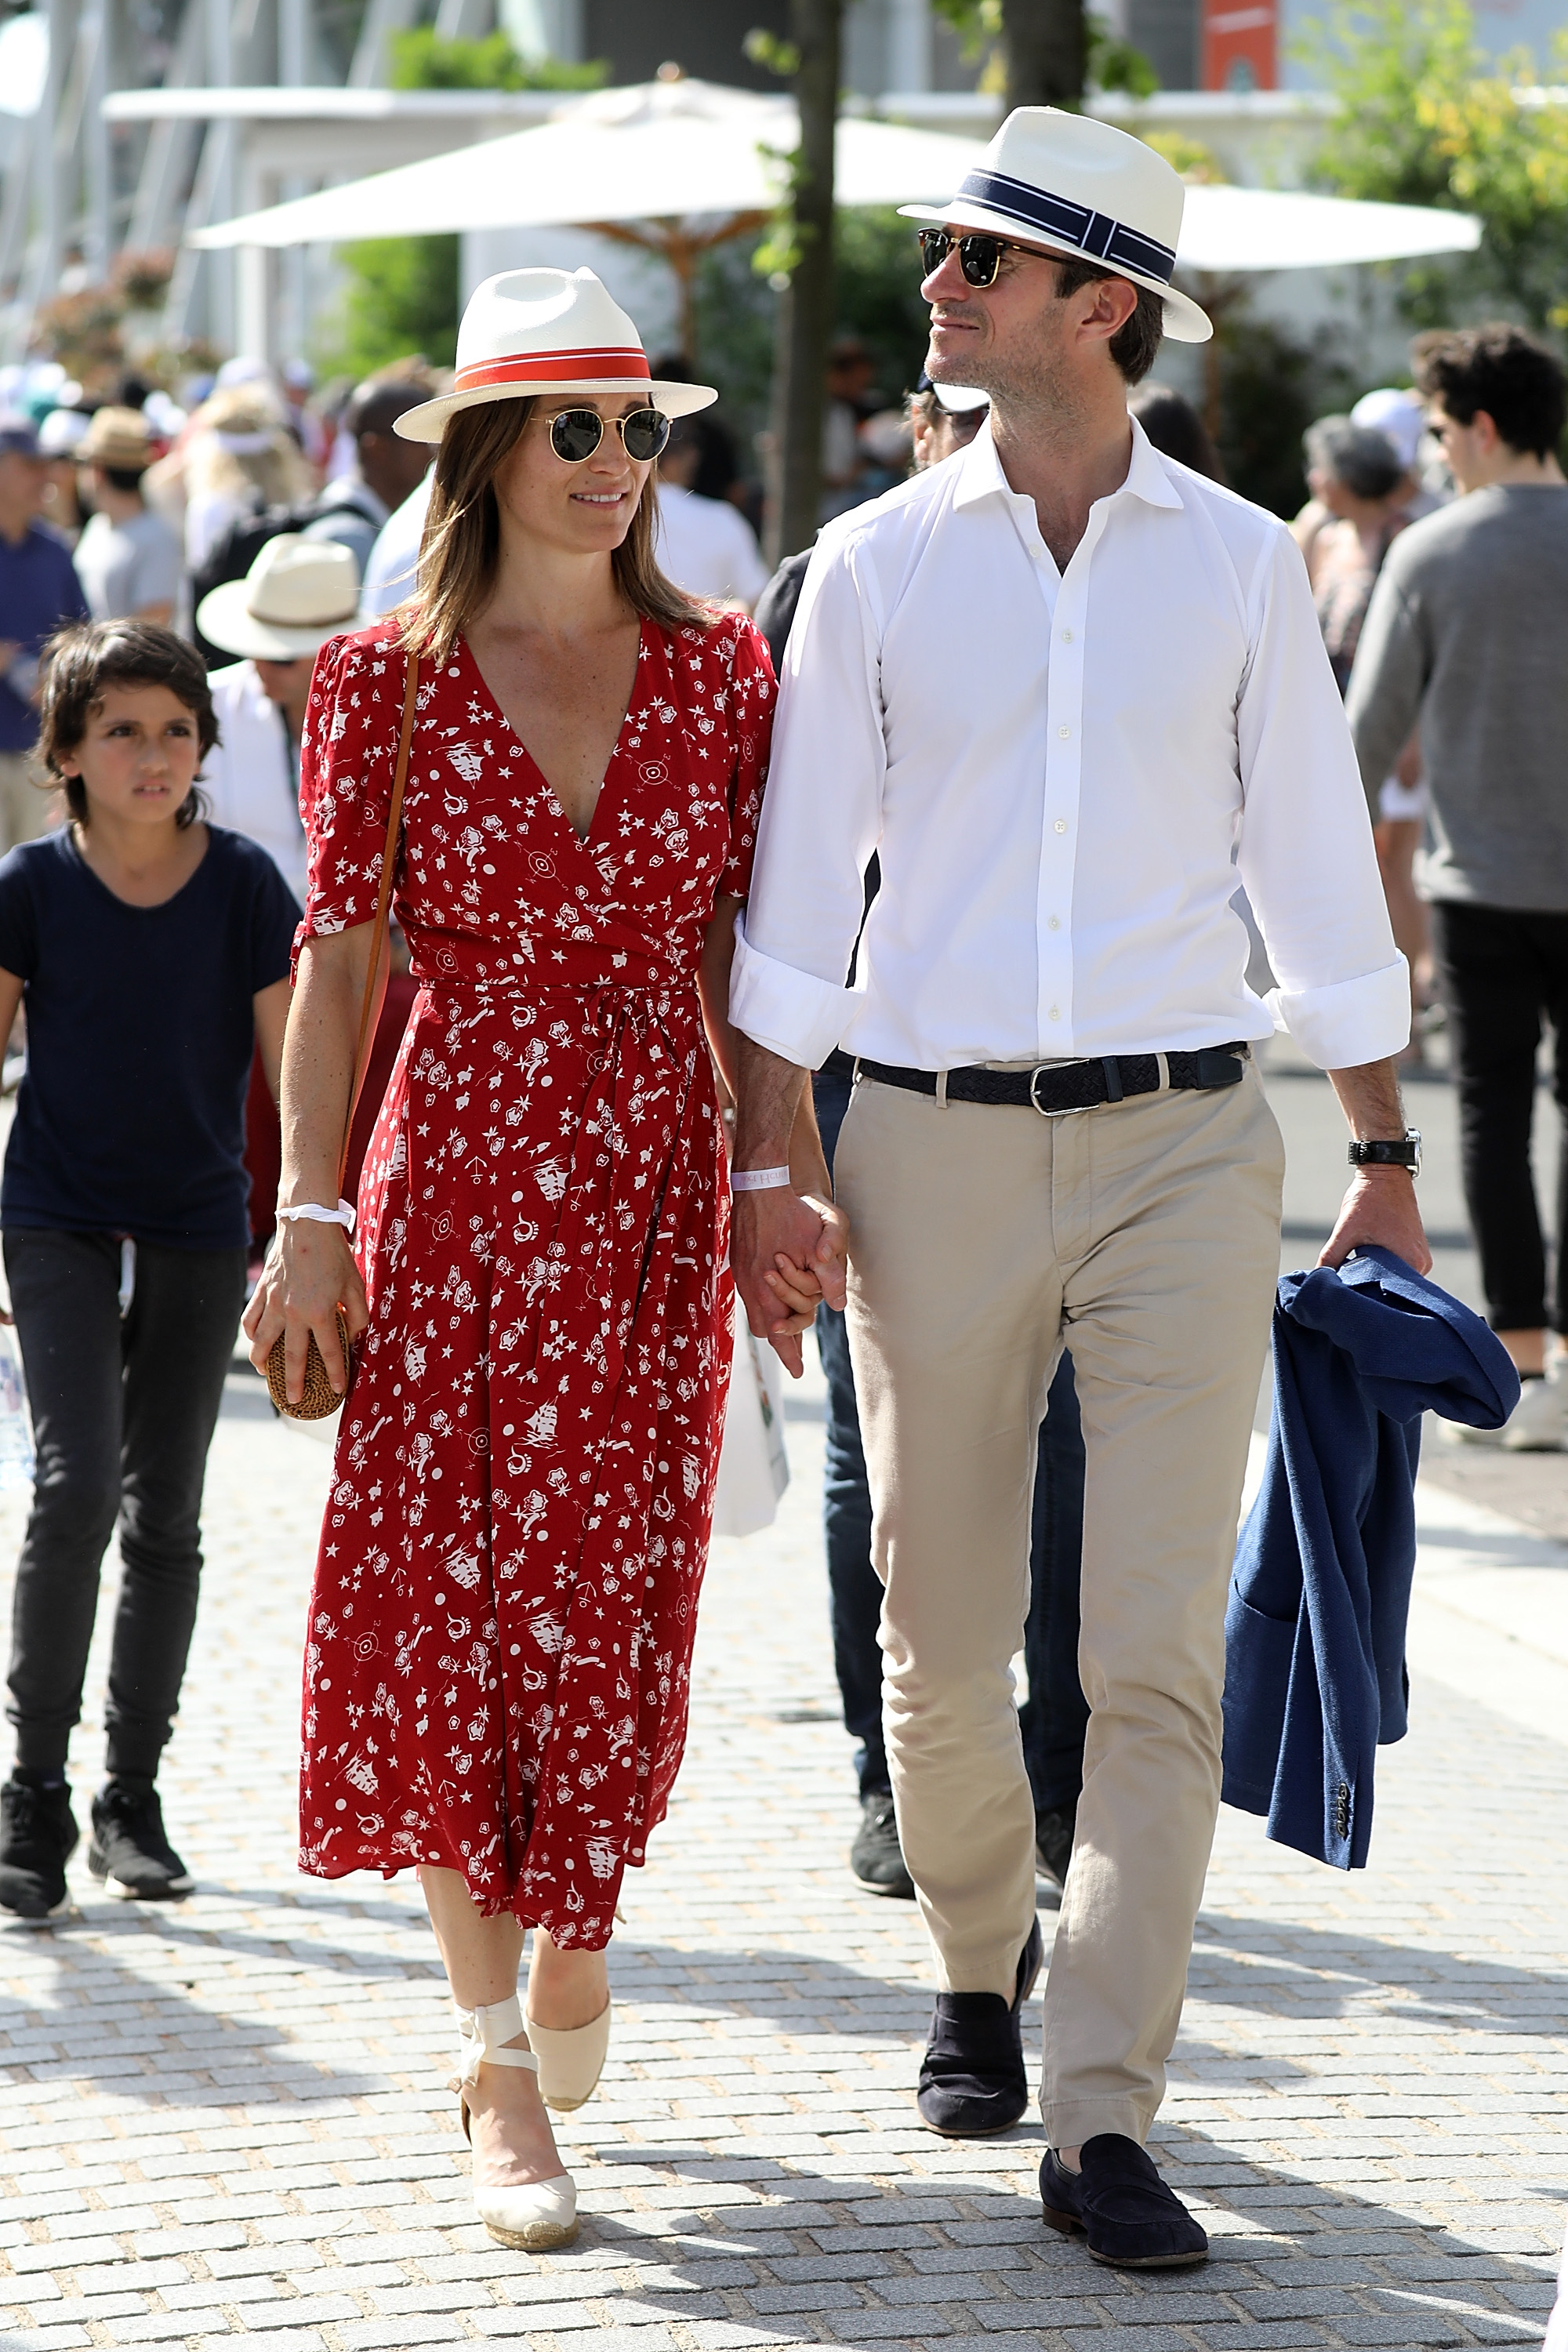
[
  {"x": 422, "y": 59},
  {"x": 1271, "y": 387},
  {"x": 1424, "y": 118},
  {"x": 1110, "y": 62},
  {"x": 877, "y": 278},
  {"x": 400, "y": 293}
]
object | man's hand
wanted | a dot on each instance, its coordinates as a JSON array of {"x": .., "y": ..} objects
[
  {"x": 787, "y": 1250},
  {"x": 1380, "y": 1207}
]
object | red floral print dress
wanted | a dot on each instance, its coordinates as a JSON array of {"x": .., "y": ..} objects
[{"x": 499, "y": 1645}]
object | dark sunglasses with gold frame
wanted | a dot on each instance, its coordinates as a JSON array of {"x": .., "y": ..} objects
[
  {"x": 979, "y": 256},
  {"x": 576, "y": 433}
]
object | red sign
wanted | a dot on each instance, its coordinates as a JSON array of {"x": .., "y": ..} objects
[{"x": 1240, "y": 45}]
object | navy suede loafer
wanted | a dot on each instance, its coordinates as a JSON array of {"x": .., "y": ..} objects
[
  {"x": 972, "y": 2081},
  {"x": 1121, "y": 2207}
]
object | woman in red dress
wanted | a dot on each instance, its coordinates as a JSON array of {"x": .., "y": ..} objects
[{"x": 500, "y": 1633}]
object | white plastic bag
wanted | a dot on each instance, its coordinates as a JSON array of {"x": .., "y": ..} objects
[
  {"x": 15, "y": 1429},
  {"x": 753, "y": 1468}
]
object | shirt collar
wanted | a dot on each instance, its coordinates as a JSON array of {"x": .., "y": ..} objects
[{"x": 981, "y": 476}]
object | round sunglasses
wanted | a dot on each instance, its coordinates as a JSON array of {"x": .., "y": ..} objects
[
  {"x": 576, "y": 433},
  {"x": 979, "y": 258}
]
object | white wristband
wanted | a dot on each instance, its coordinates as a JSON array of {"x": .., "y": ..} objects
[
  {"x": 314, "y": 1213},
  {"x": 757, "y": 1179}
]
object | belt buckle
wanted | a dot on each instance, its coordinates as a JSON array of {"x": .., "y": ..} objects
[{"x": 1071, "y": 1110}]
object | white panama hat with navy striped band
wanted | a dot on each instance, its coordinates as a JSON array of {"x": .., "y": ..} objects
[
  {"x": 546, "y": 331},
  {"x": 1077, "y": 186}
]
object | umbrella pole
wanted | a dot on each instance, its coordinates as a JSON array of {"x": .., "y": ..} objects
[
  {"x": 682, "y": 249},
  {"x": 1218, "y": 295}
]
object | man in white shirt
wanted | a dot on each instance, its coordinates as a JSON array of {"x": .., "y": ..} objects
[
  {"x": 354, "y": 507},
  {"x": 705, "y": 545},
  {"x": 1056, "y": 684},
  {"x": 299, "y": 593},
  {"x": 391, "y": 575}
]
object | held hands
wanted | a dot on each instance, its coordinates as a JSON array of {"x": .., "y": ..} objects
[
  {"x": 788, "y": 1251},
  {"x": 1379, "y": 1207},
  {"x": 309, "y": 1273}
]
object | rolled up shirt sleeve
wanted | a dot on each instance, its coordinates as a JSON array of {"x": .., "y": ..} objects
[
  {"x": 1306, "y": 853},
  {"x": 821, "y": 818}
]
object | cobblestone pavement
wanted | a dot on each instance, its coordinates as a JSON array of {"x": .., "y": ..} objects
[{"x": 227, "y": 2119}]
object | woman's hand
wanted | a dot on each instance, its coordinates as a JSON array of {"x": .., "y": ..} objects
[
  {"x": 788, "y": 1251},
  {"x": 309, "y": 1273}
]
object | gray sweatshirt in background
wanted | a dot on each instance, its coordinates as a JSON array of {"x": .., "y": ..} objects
[{"x": 1466, "y": 635}]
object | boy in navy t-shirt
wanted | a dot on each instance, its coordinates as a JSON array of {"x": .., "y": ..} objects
[{"x": 150, "y": 950}]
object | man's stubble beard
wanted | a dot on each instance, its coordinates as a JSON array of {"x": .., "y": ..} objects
[{"x": 1028, "y": 378}]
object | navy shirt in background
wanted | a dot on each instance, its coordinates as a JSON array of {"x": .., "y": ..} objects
[
  {"x": 130, "y": 1117},
  {"x": 38, "y": 589}
]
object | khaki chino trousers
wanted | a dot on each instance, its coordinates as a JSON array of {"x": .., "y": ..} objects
[{"x": 1144, "y": 1235}]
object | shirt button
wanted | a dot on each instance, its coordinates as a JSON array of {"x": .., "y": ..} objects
[
  {"x": 1064, "y": 732},
  {"x": 1067, "y": 637},
  {"x": 1054, "y": 1012},
  {"x": 1055, "y": 923},
  {"x": 1061, "y": 825}
]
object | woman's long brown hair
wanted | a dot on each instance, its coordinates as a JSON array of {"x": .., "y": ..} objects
[{"x": 462, "y": 537}]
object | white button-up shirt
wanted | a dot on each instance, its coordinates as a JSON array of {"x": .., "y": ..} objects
[
  {"x": 250, "y": 777},
  {"x": 1061, "y": 775}
]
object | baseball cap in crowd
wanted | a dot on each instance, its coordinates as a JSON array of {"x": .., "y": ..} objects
[
  {"x": 118, "y": 440},
  {"x": 19, "y": 434},
  {"x": 299, "y": 593},
  {"x": 1398, "y": 416},
  {"x": 62, "y": 432}
]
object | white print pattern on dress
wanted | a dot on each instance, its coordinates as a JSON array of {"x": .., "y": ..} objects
[{"x": 505, "y": 1602}]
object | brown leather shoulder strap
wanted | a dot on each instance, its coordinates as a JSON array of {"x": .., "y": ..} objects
[{"x": 383, "y": 905}]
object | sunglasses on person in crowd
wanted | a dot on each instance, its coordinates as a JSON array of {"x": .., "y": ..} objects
[
  {"x": 979, "y": 258},
  {"x": 576, "y": 433}
]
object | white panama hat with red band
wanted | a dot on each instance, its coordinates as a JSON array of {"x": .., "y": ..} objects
[
  {"x": 546, "y": 331},
  {"x": 1079, "y": 187}
]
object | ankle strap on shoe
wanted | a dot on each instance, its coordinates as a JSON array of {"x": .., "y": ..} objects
[{"x": 483, "y": 2033}]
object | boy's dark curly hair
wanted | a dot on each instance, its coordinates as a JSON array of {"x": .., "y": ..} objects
[{"x": 79, "y": 661}]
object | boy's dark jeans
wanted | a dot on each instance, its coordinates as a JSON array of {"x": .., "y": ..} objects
[
  {"x": 123, "y": 1413},
  {"x": 1055, "y": 1717}
]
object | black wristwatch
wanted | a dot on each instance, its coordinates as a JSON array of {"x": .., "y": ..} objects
[{"x": 1389, "y": 1155}]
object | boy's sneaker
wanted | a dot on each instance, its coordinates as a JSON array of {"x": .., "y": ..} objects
[
  {"x": 130, "y": 1851},
  {"x": 37, "y": 1835}
]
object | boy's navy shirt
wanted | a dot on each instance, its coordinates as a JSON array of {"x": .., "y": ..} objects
[
  {"x": 38, "y": 591},
  {"x": 131, "y": 1116}
]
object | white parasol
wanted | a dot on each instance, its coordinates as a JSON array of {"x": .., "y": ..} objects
[
  {"x": 654, "y": 150},
  {"x": 1225, "y": 228},
  {"x": 677, "y": 166},
  {"x": 683, "y": 149}
]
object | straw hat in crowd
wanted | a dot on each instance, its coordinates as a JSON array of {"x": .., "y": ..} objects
[
  {"x": 299, "y": 593},
  {"x": 117, "y": 439}
]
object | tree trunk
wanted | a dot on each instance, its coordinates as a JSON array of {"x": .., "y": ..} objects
[
  {"x": 805, "y": 322},
  {"x": 1044, "y": 45}
]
